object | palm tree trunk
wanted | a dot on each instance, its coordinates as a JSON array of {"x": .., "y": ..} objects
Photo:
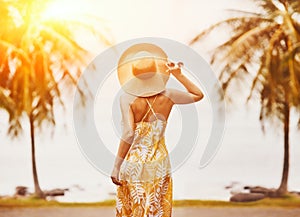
[
  {"x": 283, "y": 188},
  {"x": 37, "y": 190}
]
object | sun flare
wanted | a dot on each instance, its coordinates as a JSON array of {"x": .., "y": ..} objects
[{"x": 64, "y": 9}]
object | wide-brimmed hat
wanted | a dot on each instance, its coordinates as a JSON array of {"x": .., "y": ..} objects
[{"x": 142, "y": 70}]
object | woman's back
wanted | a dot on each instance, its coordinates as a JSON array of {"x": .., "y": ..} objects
[{"x": 161, "y": 105}]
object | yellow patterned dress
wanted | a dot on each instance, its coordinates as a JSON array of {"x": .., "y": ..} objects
[{"x": 146, "y": 189}]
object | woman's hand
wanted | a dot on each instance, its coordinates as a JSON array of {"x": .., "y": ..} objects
[
  {"x": 179, "y": 97},
  {"x": 115, "y": 176},
  {"x": 175, "y": 68}
]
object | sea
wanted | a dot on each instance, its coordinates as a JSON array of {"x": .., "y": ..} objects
[{"x": 246, "y": 157}]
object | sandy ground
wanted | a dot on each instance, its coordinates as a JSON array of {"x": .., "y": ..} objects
[{"x": 177, "y": 212}]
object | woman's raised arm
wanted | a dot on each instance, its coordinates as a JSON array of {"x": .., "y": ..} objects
[{"x": 194, "y": 93}]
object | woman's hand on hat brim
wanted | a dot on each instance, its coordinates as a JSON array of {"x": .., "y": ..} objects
[{"x": 174, "y": 68}]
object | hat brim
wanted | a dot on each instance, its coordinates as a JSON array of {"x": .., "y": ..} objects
[
  {"x": 146, "y": 87},
  {"x": 143, "y": 87}
]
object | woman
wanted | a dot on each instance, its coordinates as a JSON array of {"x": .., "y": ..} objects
[{"x": 142, "y": 170}]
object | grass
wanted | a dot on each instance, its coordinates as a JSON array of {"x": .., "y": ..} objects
[
  {"x": 288, "y": 202},
  {"x": 33, "y": 202},
  {"x": 267, "y": 202}
]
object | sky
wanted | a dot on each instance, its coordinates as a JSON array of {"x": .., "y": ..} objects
[
  {"x": 246, "y": 154},
  {"x": 175, "y": 19}
]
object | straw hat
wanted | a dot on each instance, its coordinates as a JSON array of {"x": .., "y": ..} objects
[{"x": 142, "y": 70}]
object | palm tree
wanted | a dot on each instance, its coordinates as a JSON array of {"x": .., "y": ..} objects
[
  {"x": 39, "y": 58},
  {"x": 263, "y": 52}
]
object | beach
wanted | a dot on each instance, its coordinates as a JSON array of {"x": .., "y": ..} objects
[{"x": 177, "y": 212}]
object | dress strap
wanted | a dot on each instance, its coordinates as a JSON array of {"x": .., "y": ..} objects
[{"x": 150, "y": 108}]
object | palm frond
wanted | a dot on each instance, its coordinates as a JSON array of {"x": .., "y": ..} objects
[
  {"x": 267, "y": 7},
  {"x": 61, "y": 42},
  {"x": 8, "y": 104},
  {"x": 248, "y": 41},
  {"x": 232, "y": 23},
  {"x": 294, "y": 5},
  {"x": 238, "y": 32},
  {"x": 244, "y": 13},
  {"x": 266, "y": 62}
]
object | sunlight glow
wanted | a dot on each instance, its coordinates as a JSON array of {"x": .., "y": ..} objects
[
  {"x": 64, "y": 9},
  {"x": 296, "y": 17},
  {"x": 279, "y": 5},
  {"x": 16, "y": 16}
]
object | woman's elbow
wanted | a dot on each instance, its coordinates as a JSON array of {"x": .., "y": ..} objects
[{"x": 198, "y": 97}]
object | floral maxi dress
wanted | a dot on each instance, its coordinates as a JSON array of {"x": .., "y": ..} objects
[{"x": 145, "y": 174}]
